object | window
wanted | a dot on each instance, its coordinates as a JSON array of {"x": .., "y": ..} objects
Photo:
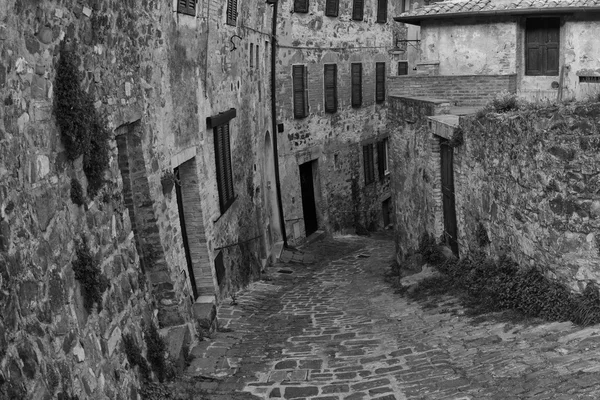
[
  {"x": 231, "y": 12},
  {"x": 330, "y": 82},
  {"x": 382, "y": 158},
  {"x": 402, "y": 67},
  {"x": 257, "y": 65},
  {"x": 403, "y": 6},
  {"x": 223, "y": 161},
  {"x": 301, "y": 6},
  {"x": 356, "y": 84},
  {"x": 382, "y": 11},
  {"x": 251, "y": 55},
  {"x": 541, "y": 46},
  {"x": 332, "y": 7},
  {"x": 358, "y": 10},
  {"x": 380, "y": 82},
  {"x": 186, "y": 7},
  {"x": 368, "y": 163},
  {"x": 299, "y": 83}
]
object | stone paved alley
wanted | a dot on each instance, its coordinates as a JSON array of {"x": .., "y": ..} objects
[{"x": 334, "y": 329}]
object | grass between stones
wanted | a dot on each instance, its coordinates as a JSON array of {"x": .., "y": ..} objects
[{"x": 484, "y": 285}]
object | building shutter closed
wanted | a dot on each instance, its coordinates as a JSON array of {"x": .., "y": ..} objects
[
  {"x": 299, "y": 76},
  {"x": 356, "y": 85},
  {"x": 331, "y": 8},
  {"x": 382, "y": 11},
  {"x": 368, "y": 163},
  {"x": 358, "y": 10},
  {"x": 402, "y": 68},
  {"x": 301, "y": 6},
  {"x": 186, "y": 7},
  {"x": 231, "y": 12},
  {"x": 542, "y": 44},
  {"x": 330, "y": 78},
  {"x": 381, "y": 156},
  {"x": 380, "y": 82},
  {"x": 223, "y": 164}
]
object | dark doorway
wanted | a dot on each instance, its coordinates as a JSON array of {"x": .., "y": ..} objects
[
  {"x": 385, "y": 210},
  {"x": 450, "y": 237},
  {"x": 309, "y": 207},
  {"x": 184, "y": 235}
]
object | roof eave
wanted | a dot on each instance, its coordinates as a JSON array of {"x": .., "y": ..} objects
[{"x": 416, "y": 19}]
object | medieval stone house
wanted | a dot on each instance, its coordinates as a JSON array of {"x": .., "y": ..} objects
[{"x": 334, "y": 59}]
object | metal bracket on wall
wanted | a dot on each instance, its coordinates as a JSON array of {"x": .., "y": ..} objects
[
  {"x": 410, "y": 42},
  {"x": 233, "y": 47}
]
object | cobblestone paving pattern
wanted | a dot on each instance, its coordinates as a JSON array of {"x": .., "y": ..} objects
[{"x": 335, "y": 330}]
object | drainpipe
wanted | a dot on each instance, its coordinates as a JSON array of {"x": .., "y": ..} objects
[{"x": 274, "y": 120}]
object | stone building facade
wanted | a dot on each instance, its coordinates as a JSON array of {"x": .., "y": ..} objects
[
  {"x": 181, "y": 220},
  {"x": 332, "y": 149},
  {"x": 547, "y": 46},
  {"x": 526, "y": 179}
]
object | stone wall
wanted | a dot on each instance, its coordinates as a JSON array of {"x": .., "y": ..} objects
[
  {"x": 461, "y": 90},
  {"x": 146, "y": 68},
  {"x": 333, "y": 140},
  {"x": 530, "y": 178}
]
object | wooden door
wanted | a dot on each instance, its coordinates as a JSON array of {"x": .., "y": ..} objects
[{"x": 448, "y": 202}]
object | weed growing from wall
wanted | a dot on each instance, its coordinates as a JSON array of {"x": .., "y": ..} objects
[
  {"x": 88, "y": 273},
  {"x": 482, "y": 235},
  {"x": 134, "y": 355},
  {"x": 77, "y": 196},
  {"x": 156, "y": 352},
  {"x": 429, "y": 249},
  {"x": 457, "y": 138},
  {"x": 83, "y": 130}
]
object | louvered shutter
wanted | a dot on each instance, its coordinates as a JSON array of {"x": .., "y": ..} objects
[
  {"x": 382, "y": 11},
  {"x": 357, "y": 10},
  {"x": 368, "y": 163},
  {"x": 231, "y": 12},
  {"x": 186, "y": 7},
  {"x": 301, "y": 6},
  {"x": 330, "y": 79},
  {"x": 402, "y": 68},
  {"x": 356, "y": 85},
  {"x": 228, "y": 171},
  {"x": 331, "y": 8},
  {"x": 380, "y": 82},
  {"x": 381, "y": 159},
  {"x": 300, "y": 92}
]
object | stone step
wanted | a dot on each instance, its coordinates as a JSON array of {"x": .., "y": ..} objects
[
  {"x": 205, "y": 314},
  {"x": 178, "y": 339}
]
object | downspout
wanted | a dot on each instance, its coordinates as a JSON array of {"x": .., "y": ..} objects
[{"x": 274, "y": 122}]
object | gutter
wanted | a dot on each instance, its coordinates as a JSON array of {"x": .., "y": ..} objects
[
  {"x": 274, "y": 122},
  {"x": 416, "y": 19}
]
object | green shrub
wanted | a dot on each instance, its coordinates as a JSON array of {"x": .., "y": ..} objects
[
  {"x": 76, "y": 192},
  {"x": 430, "y": 250},
  {"x": 88, "y": 273},
  {"x": 505, "y": 102},
  {"x": 134, "y": 355},
  {"x": 482, "y": 235},
  {"x": 156, "y": 351},
  {"x": 83, "y": 130}
]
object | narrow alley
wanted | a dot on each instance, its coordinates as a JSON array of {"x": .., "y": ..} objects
[{"x": 334, "y": 329}]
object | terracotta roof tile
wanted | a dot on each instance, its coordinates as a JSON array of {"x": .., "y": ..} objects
[{"x": 470, "y": 6}]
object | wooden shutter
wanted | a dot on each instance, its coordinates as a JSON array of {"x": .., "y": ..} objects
[
  {"x": 382, "y": 11},
  {"x": 368, "y": 163},
  {"x": 331, "y": 8},
  {"x": 381, "y": 159},
  {"x": 380, "y": 82},
  {"x": 330, "y": 78},
  {"x": 541, "y": 46},
  {"x": 223, "y": 164},
  {"x": 358, "y": 10},
  {"x": 299, "y": 75},
  {"x": 402, "y": 68},
  {"x": 186, "y": 7},
  {"x": 301, "y": 6},
  {"x": 231, "y": 12},
  {"x": 356, "y": 84}
]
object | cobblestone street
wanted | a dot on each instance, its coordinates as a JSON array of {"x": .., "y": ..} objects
[{"x": 334, "y": 329}]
